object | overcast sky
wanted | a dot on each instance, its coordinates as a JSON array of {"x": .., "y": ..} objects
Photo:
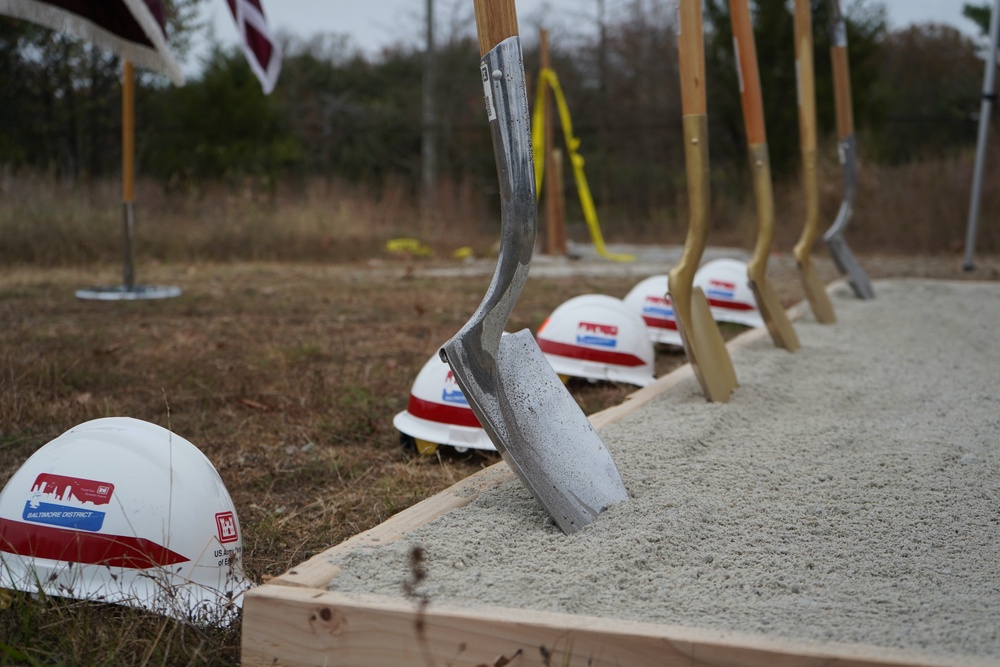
[{"x": 373, "y": 24}]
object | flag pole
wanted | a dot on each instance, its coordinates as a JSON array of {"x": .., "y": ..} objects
[
  {"x": 989, "y": 94},
  {"x": 128, "y": 290},
  {"x": 128, "y": 171}
]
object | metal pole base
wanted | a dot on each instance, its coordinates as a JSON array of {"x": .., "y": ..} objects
[{"x": 128, "y": 293}]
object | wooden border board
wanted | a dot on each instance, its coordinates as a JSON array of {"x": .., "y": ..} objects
[{"x": 294, "y": 621}]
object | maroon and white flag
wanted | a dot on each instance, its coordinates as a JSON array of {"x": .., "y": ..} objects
[
  {"x": 134, "y": 29},
  {"x": 262, "y": 51}
]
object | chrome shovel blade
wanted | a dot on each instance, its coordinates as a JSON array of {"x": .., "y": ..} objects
[
  {"x": 522, "y": 405},
  {"x": 834, "y": 237},
  {"x": 849, "y": 266},
  {"x": 539, "y": 429}
]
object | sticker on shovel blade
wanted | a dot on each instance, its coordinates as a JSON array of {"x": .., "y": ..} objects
[{"x": 491, "y": 110}]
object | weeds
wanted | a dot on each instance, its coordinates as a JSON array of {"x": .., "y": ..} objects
[
  {"x": 47, "y": 223},
  {"x": 41, "y": 630},
  {"x": 303, "y": 441}
]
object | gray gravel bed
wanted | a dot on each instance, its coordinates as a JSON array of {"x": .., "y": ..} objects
[{"x": 849, "y": 493}]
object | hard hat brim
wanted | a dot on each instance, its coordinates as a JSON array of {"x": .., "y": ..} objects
[{"x": 443, "y": 434}]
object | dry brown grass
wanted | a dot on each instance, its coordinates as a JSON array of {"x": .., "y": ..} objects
[
  {"x": 924, "y": 207},
  {"x": 45, "y": 223},
  {"x": 917, "y": 208},
  {"x": 912, "y": 209},
  {"x": 285, "y": 374}
]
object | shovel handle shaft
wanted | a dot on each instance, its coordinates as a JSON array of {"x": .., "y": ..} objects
[
  {"x": 805, "y": 75},
  {"x": 496, "y": 20},
  {"x": 842, "y": 91},
  {"x": 753, "y": 118},
  {"x": 810, "y": 228},
  {"x": 746, "y": 65},
  {"x": 841, "y": 71},
  {"x": 760, "y": 166},
  {"x": 696, "y": 161},
  {"x": 805, "y": 79},
  {"x": 691, "y": 52}
]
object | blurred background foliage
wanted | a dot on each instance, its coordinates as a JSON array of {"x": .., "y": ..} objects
[{"x": 338, "y": 113}]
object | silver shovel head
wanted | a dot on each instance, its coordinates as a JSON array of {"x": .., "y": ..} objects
[
  {"x": 539, "y": 429},
  {"x": 529, "y": 415},
  {"x": 834, "y": 237},
  {"x": 848, "y": 265}
]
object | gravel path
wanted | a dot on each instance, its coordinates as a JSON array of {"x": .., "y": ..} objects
[{"x": 847, "y": 493}]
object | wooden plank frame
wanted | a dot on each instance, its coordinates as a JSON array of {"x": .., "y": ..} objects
[{"x": 294, "y": 621}]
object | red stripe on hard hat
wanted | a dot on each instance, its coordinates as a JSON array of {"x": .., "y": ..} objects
[
  {"x": 589, "y": 354},
  {"x": 32, "y": 540},
  {"x": 730, "y": 305},
  {"x": 441, "y": 413},
  {"x": 660, "y": 323}
]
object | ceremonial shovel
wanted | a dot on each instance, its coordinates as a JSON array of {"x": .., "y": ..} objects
[
  {"x": 522, "y": 405},
  {"x": 816, "y": 294},
  {"x": 768, "y": 302},
  {"x": 847, "y": 148},
  {"x": 703, "y": 344}
]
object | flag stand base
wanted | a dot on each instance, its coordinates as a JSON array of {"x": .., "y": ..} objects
[{"x": 126, "y": 293}]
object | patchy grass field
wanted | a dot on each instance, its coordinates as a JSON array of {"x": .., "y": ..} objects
[{"x": 287, "y": 376}]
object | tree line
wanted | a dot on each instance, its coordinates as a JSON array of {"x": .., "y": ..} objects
[{"x": 339, "y": 113}]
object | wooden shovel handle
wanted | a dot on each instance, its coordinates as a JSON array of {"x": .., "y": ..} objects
[
  {"x": 805, "y": 74},
  {"x": 746, "y": 56},
  {"x": 842, "y": 91},
  {"x": 496, "y": 20},
  {"x": 841, "y": 72},
  {"x": 691, "y": 51},
  {"x": 806, "y": 82}
]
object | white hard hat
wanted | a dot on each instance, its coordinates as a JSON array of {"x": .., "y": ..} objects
[
  {"x": 649, "y": 299},
  {"x": 123, "y": 511},
  {"x": 727, "y": 288},
  {"x": 437, "y": 412},
  {"x": 598, "y": 337}
]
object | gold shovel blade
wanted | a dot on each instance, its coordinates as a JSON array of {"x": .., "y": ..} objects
[{"x": 819, "y": 300}]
